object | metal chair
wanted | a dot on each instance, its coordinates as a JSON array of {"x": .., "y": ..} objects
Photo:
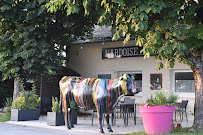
[
  {"x": 119, "y": 108},
  {"x": 129, "y": 107},
  {"x": 181, "y": 109}
]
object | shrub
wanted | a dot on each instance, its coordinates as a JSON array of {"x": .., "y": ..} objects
[
  {"x": 8, "y": 102},
  {"x": 55, "y": 104},
  {"x": 73, "y": 105},
  {"x": 27, "y": 100},
  {"x": 160, "y": 99}
]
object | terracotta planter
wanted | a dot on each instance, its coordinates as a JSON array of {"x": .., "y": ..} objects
[
  {"x": 24, "y": 114},
  {"x": 172, "y": 127},
  {"x": 157, "y": 119}
]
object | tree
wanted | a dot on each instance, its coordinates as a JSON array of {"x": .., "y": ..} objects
[
  {"x": 171, "y": 29},
  {"x": 32, "y": 40}
]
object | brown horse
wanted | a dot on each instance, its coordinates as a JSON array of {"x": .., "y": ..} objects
[{"x": 91, "y": 92}]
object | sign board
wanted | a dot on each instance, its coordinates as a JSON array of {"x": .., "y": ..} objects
[{"x": 121, "y": 52}]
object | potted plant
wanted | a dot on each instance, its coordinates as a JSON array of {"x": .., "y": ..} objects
[
  {"x": 157, "y": 113},
  {"x": 25, "y": 106},
  {"x": 55, "y": 118},
  {"x": 74, "y": 107}
]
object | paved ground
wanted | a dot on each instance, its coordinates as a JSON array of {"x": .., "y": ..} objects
[
  {"x": 12, "y": 129},
  {"x": 84, "y": 126},
  {"x": 40, "y": 127}
]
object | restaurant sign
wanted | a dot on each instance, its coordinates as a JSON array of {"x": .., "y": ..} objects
[{"x": 121, "y": 52}]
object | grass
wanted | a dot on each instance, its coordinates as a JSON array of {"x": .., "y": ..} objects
[
  {"x": 180, "y": 131},
  {"x": 5, "y": 116},
  {"x": 185, "y": 131}
]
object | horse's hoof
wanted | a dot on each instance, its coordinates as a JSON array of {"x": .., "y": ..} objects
[
  {"x": 72, "y": 126},
  {"x": 110, "y": 130},
  {"x": 101, "y": 131},
  {"x": 68, "y": 127}
]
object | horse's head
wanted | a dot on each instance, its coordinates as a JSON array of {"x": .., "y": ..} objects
[{"x": 127, "y": 85}]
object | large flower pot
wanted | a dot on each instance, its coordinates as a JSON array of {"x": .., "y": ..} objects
[
  {"x": 25, "y": 114},
  {"x": 157, "y": 119},
  {"x": 55, "y": 119}
]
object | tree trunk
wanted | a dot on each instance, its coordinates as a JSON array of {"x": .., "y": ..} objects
[
  {"x": 17, "y": 88},
  {"x": 198, "y": 107}
]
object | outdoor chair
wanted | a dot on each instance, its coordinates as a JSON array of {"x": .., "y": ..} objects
[
  {"x": 129, "y": 106},
  {"x": 181, "y": 109},
  {"x": 119, "y": 107}
]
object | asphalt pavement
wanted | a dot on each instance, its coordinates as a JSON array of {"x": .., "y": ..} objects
[
  {"x": 12, "y": 129},
  {"x": 83, "y": 127}
]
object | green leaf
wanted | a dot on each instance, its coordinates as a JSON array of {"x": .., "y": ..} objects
[
  {"x": 41, "y": 1},
  {"x": 143, "y": 16},
  {"x": 69, "y": 11},
  {"x": 5, "y": 8},
  {"x": 148, "y": 10},
  {"x": 168, "y": 35},
  {"x": 142, "y": 7},
  {"x": 172, "y": 63},
  {"x": 174, "y": 46},
  {"x": 166, "y": 50},
  {"x": 159, "y": 66},
  {"x": 121, "y": 2},
  {"x": 140, "y": 41},
  {"x": 126, "y": 40},
  {"x": 75, "y": 9},
  {"x": 141, "y": 25},
  {"x": 116, "y": 36},
  {"x": 147, "y": 55},
  {"x": 167, "y": 64},
  {"x": 177, "y": 33},
  {"x": 161, "y": 49},
  {"x": 154, "y": 9}
]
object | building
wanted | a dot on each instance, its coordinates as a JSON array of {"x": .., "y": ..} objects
[{"x": 110, "y": 59}]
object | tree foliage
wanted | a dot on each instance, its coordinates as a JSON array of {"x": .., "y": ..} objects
[
  {"x": 171, "y": 29},
  {"x": 167, "y": 29},
  {"x": 32, "y": 40}
]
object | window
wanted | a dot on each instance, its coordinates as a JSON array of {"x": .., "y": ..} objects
[
  {"x": 137, "y": 79},
  {"x": 155, "y": 81},
  {"x": 184, "y": 82},
  {"x": 104, "y": 76}
]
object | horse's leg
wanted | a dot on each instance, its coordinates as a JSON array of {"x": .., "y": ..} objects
[
  {"x": 100, "y": 116},
  {"x": 66, "y": 112},
  {"x": 107, "y": 122}
]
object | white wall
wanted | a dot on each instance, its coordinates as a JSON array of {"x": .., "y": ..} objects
[{"x": 86, "y": 59}]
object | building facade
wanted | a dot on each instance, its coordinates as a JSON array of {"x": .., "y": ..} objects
[{"x": 112, "y": 59}]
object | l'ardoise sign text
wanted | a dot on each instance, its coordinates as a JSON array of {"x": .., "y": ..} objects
[{"x": 121, "y": 52}]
